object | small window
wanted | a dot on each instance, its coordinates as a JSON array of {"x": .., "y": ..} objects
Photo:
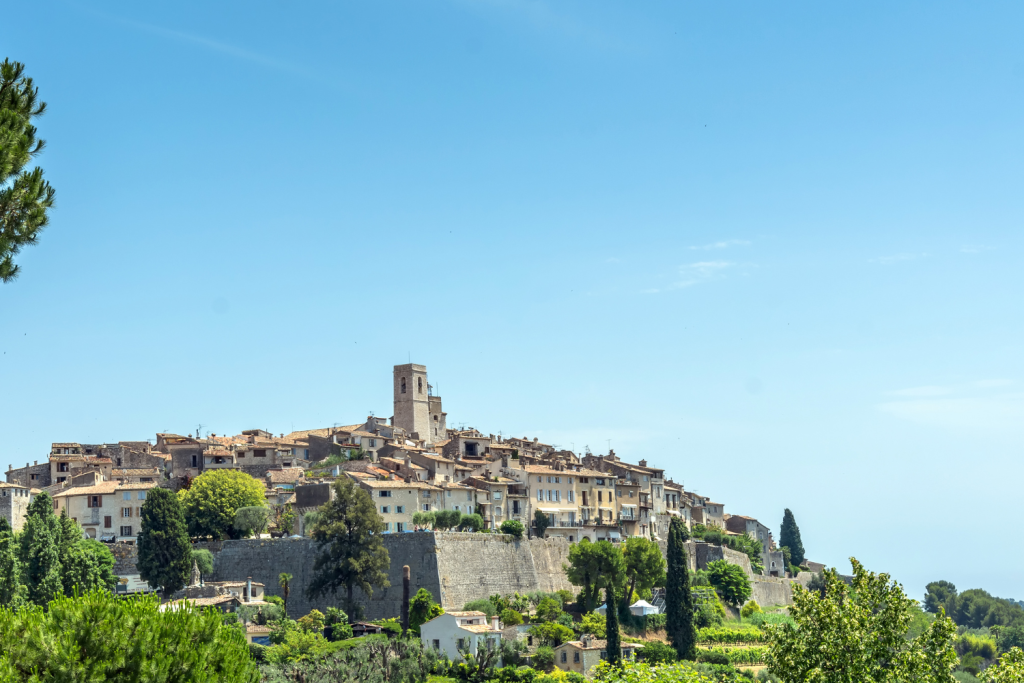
[
  {"x": 385, "y": 509},
  {"x": 419, "y": 384},
  {"x": 126, "y": 531},
  {"x": 127, "y": 495},
  {"x": 565, "y": 657},
  {"x": 437, "y": 644},
  {"x": 426, "y": 507},
  {"x": 403, "y": 385},
  {"x": 399, "y": 526},
  {"x": 384, "y": 494},
  {"x": 259, "y": 453},
  {"x": 126, "y": 512},
  {"x": 399, "y": 509},
  {"x": 558, "y": 480},
  {"x": 575, "y": 656}
]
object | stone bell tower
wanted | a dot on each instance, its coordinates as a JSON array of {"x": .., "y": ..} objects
[{"x": 412, "y": 405}]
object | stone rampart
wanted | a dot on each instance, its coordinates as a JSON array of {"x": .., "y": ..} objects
[{"x": 455, "y": 567}]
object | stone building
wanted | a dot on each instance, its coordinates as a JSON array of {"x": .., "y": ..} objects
[
  {"x": 14, "y": 502},
  {"x": 417, "y": 410},
  {"x": 583, "y": 655},
  {"x": 106, "y": 510}
]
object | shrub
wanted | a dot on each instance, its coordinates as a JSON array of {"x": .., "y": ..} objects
[
  {"x": 513, "y": 527},
  {"x": 656, "y": 652},
  {"x": 749, "y": 609},
  {"x": 313, "y": 622},
  {"x": 594, "y": 624},
  {"x": 730, "y": 581},
  {"x": 712, "y": 657},
  {"x": 548, "y": 609},
  {"x": 510, "y": 617},
  {"x": 485, "y": 606},
  {"x": 544, "y": 658},
  {"x": 552, "y": 633}
]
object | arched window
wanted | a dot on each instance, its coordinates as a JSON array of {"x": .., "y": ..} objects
[
  {"x": 419, "y": 385},
  {"x": 403, "y": 385}
]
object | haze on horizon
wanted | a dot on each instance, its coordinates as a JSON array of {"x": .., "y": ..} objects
[{"x": 774, "y": 250}]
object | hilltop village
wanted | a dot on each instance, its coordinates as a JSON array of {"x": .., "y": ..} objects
[{"x": 413, "y": 462}]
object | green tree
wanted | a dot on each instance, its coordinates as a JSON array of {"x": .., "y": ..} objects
[
  {"x": 284, "y": 580},
  {"x": 25, "y": 197},
  {"x": 789, "y": 536},
  {"x": 422, "y": 609},
  {"x": 252, "y": 519},
  {"x": 548, "y": 609},
  {"x": 447, "y": 519},
  {"x": 541, "y": 523},
  {"x": 472, "y": 522},
  {"x": 939, "y": 595},
  {"x": 857, "y": 633},
  {"x": 284, "y": 518},
  {"x": 513, "y": 527},
  {"x": 39, "y": 551},
  {"x": 213, "y": 499},
  {"x": 678, "y": 599},
  {"x": 1009, "y": 668},
  {"x": 88, "y": 564},
  {"x": 551, "y": 633},
  {"x": 203, "y": 559},
  {"x": 730, "y": 581},
  {"x": 593, "y": 567},
  {"x": 645, "y": 566},
  {"x": 101, "y": 637},
  {"x": 614, "y": 638},
  {"x": 351, "y": 548},
  {"x": 423, "y": 519},
  {"x": 165, "y": 554},
  {"x": 657, "y": 652},
  {"x": 510, "y": 617},
  {"x": 11, "y": 590},
  {"x": 544, "y": 658}
]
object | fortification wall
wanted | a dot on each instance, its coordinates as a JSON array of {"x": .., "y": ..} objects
[
  {"x": 455, "y": 567},
  {"x": 770, "y": 590}
]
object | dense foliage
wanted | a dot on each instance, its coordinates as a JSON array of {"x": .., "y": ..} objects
[
  {"x": 729, "y": 581},
  {"x": 100, "y": 637},
  {"x": 594, "y": 567},
  {"x": 645, "y": 566},
  {"x": 856, "y": 633},
  {"x": 348, "y": 534},
  {"x": 789, "y": 537},
  {"x": 165, "y": 553},
  {"x": 50, "y": 558},
  {"x": 973, "y": 608},
  {"x": 212, "y": 501},
  {"x": 513, "y": 527},
  {"x": 679, "y": 615},
  {"x": 25, "y": 197},
  {"x": 422, "y": 609},
  {"x": 252, "y": 519}
]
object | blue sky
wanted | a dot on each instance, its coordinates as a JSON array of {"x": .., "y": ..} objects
[{"x": 773, "y": 249}]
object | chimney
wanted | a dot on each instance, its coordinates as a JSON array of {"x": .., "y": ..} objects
[
  {"x": 643, "y": 463},
  {"x": 35, "y": 462},
  {"x": 248, "y": 589},
  {"x": 494, "y": 623}
]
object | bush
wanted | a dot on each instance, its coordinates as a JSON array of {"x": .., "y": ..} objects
[
  {"x": 548, "y": 609},
  {"x": 513, "y": 527},
  {"x": 656, "y": 652},
  {"x": 552, "y": 633},
  {"x": 544, "y": 658},
  {"x": 102, "y": 637},
  {"x": 729, "y": 635},
  {"x": 313, "y": 622},
  {"x": 485, "y": 606},
  {"x": 749, "y": 609},
  {"x": 712, "y": 657},
  {"x": 510, "y": 617},
  {"x": 730, "y": 581},
  {"x": 592, "y": 623},
  {"x": 257, "y": 652},
  {"x": 772, "y": 618}
]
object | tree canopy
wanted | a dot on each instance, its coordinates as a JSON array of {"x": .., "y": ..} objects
[
  {"x": 25, "y": 197},
  {"x": 252, "y": 519},
  {"x": 100, "y": 637},
  {"x": 422, "y": 609},
  {"x": 789, "y": 537},
  {"x": 857, "y": 633},
  {"x": 212, "y": 501},
  {"x": 974, "y": 608},
  {"x": 593, "y": 567},
  {"x": 678, "y": 600},
  {"x": 348, "y": 535},
  {"x": 541, "y": 523},
  {"x": 729, "y": 581},
  {"x": 165, "y": 553},
  {"x": 645, "y": 567}
]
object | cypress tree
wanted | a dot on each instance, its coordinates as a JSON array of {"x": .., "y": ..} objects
[
  {"x": 789, "y": 537},
  {"x": 165, "y": 553},
  {"x": 10, "y": 572},
  {"x": 678, "y": 599},
  {"x": 611, "y": 612},
  {"x": 39, "y": 551}
]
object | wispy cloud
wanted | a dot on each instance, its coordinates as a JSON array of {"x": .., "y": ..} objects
[
  {"x": 898, "y": 258},
  {"x": 725, "y": 244},
  {"x": 202, "y": 41},
  {"x": 978, "y": 407},
  {"x": 695, "y": 273},
  {"x": 923, "y": 391}
]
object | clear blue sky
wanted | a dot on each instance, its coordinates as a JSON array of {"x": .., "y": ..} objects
[{"x": 775, "y": 249}]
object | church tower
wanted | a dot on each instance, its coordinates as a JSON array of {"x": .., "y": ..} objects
[{"x": 413, "y": 403}]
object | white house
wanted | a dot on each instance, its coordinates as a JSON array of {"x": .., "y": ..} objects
[{"x": 453, "y": 632}]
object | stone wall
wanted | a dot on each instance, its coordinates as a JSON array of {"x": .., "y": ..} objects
[
  {"x": 455, "y": 567},
  {"x": 769, "y": 590},
  {"x": 126, "y": 556}
]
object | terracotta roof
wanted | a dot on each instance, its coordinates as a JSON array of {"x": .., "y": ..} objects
[
  {"x": 470, "y": 613},
  {"x": 287, "y": 475},
  {"x": 67, "y": 458},
  {"x": 102, "y": 459},
  {"x": 257, "y": 628},
  {"x": 106, "y": 488},
  {"x": 136, "y": 472},
  {"x": 478, "y": 628},
  {"x": 206, "y": 602},
  {"x": 597, "y": 645},
  {"x": 218, "y": 451},
  {"x": 5, "y": 485},
  {"x": 396, "y": 484},
  {"x": 66, "y": 445},
  {"x": 141, "y": 486}
]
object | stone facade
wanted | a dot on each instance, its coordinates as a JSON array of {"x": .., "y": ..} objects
[
  {"x": 455, "y": 567},
  {"x": 412, "y": 409},
  {"x": 32, "y": 476},
  {"x": 14, "y": 501}
]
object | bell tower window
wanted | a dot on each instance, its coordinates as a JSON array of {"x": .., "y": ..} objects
[
  {"x": 419, "y": 385},
  {"x": 403, "y": 385}
]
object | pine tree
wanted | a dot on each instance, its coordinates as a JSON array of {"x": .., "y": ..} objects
[
  {"x": 10, "y": 572},
  {"x": 348, "y": 535},
  {"x": 789, "y": 536},
  {"x": 39, "y": 551},
  {"x": 24, "y": 196},
  {"x": 165, "y": 554},
  {"x": 678, "y": 599},
  {"x": 611, "y": 617}
]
